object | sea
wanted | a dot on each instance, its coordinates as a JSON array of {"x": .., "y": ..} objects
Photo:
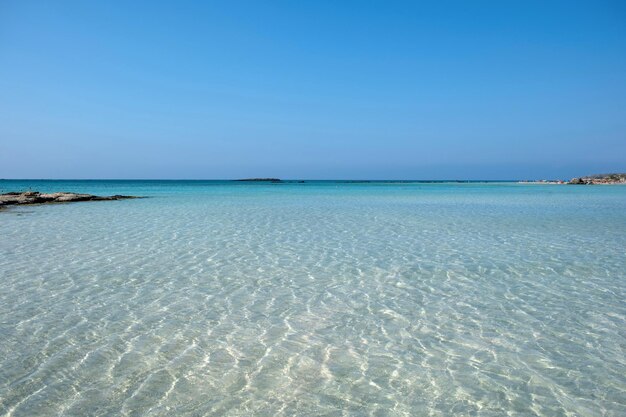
[{"x": 314, "y": 298}]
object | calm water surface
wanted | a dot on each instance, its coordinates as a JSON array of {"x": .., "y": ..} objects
[{"x": 315, "y": 299}]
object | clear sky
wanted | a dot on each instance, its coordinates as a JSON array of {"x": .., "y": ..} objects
[{"x": 312, "y": 89}]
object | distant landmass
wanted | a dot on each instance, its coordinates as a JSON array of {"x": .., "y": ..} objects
[
  {"x": 616, "y": 178},
  {"x": 600, "y": 179},
  {"x": 260, "y": 179}
]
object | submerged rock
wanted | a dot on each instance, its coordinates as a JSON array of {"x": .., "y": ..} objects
[{"x": 35, "y": 197}]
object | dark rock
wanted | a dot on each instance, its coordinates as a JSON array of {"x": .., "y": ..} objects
[{"x": 35, "y": 197}]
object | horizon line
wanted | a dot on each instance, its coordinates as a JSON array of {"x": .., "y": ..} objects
[{"x": 269, "y": 179}]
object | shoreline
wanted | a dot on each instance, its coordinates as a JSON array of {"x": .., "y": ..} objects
[{"x": 598, "y": 179}]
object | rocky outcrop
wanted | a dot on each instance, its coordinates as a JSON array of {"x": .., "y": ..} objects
[
  {"x": 600, "y": 179},
  {"x": 35, "y": 197}
]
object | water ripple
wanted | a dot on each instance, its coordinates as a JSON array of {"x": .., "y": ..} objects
[{"x": 277, "y": 302}]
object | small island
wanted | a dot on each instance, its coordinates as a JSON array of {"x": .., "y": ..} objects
[
  {"x": 35, "y": 197},
  {"x": 259, "y": 180}
]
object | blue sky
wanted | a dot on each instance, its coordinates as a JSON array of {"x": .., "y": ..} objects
[{"x": 319, "y": 89}]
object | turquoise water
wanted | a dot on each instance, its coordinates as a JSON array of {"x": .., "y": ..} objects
[{"x": 363, "y": 299}]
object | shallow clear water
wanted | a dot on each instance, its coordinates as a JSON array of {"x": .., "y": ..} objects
[{"x": 216, "y": 298}]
